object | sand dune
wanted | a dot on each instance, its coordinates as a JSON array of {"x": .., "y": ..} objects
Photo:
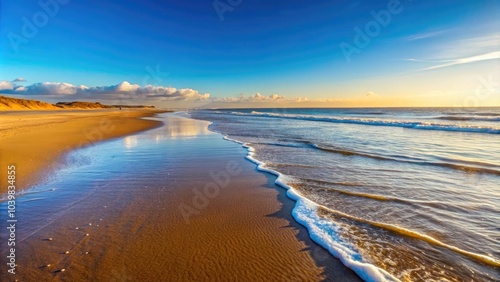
[
  {"x": 9, "y": 103},
  {"x": 82, "y": 105}
]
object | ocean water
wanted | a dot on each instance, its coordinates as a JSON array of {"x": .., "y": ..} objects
[{"x": 396, "y": 194}]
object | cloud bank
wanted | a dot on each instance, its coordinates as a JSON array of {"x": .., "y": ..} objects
[
  {"x": 274, "y": 100},
  {"x": 251, "y": 99},
  {"x": 125, "y": 92},
  {"x": 121, "y": 90}
]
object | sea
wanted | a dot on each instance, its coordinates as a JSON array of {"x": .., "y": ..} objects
[{"x": 397, "y": 194}]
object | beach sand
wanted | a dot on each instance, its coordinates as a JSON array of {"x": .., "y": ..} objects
[
  {"x": 136, "y": 228},
  {"x": 34, "y": 141}
]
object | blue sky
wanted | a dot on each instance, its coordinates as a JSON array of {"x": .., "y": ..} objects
[{"x": 288, "y": 48}]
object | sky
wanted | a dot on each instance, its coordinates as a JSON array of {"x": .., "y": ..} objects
[{"x": 242, "y": 53}]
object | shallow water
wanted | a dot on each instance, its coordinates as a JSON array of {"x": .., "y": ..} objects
[
  {"x": 92, "y": 191},
  {"x": 412, "y": 192}
]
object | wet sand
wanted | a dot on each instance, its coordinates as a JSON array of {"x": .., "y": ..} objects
[
  {"x": 34, "y": 141},
  {"x": 181, "y": 204}
]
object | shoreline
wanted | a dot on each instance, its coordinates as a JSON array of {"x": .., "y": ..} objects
[
  {"x": 365, "y": 271},
  {"x": 245, "y": 231},
  {"x": 36, "y": 141}
]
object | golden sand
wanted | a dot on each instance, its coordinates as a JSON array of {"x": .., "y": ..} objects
[{"x": 34, "y": 141}]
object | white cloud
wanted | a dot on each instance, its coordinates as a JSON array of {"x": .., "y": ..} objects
[
  {"x": 50, "y": 88},
  {"x": 121, "y": 90},
  {"x": 484, "y": 43},
  {"x": 19, "y": 79},
  {"x": 424, "y": 35},
  {"x": 300, "y": 100},
  {"x": 459, "y": 51},
  {"x": 275, "y": 100},
  {"x": 467, "y": 60},
  {"x": 125, "y": 87},
  {"x": 257, "y": 97},
  {"x": 171, "y": 93},
  {"x": 6, "y": 85}
]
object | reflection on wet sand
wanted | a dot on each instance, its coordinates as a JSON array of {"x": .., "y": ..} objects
[{"x": 182, "y": 127}]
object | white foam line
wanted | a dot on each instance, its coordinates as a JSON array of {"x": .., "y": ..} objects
[
  {"x": 321, "y": 231},
  {"x": 334, "y": 249}
]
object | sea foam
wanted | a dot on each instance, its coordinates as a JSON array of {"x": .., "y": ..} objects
[
  {"x": 321, "y": 231},
  {"x": 324, "y": 232}
]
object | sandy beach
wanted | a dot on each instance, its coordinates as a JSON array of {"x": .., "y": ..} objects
[
  {"x": 175, "y": 203},
  {"x": 34, "y": 141}
]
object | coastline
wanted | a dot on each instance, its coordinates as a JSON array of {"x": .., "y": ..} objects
[
  {"x": 36, "y": 141},
  {"x": 135, "y": 228},
  {"x": 342, "y": 176}
]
